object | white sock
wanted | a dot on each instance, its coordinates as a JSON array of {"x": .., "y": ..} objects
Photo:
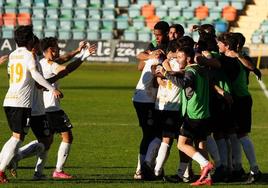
[
  {"x": 63, "y": 153},
  {"x": 236, "y": 152},
  {"x": 9, "y": 150},
  {"x": 222, "y": 146},
  {"x": 188, "y": 169},
  {"x": 182, "y": 170},
  {"x": 29, "y": 150},
  {"x": 41, "y": 161},
  {"x": 152, "y": 152},
  {"x": 202, "y": 161},
  {"x": 162, "y": 156},
  {"x": 140, "y": 162},
  {"x": 213, "y": 150},
  {"x": 250, "y": 153}
]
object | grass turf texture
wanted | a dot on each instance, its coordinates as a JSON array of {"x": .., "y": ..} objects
[{"x": 106, "y": 133}]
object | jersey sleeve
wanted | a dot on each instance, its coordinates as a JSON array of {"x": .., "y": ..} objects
[
  {"x": 31, "y": 64},
  {"x": 54, "y": 68}
]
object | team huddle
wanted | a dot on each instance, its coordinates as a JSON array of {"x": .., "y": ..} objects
[
  {"x": 33, "y": 101},
  {"x": 197, "y": 93}
]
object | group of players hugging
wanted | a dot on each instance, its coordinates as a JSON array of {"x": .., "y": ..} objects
[{"x": 196, "y": 93}]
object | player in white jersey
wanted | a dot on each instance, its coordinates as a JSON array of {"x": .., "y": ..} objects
[
  {"x": 56, "y": 117},
  {"x": 18, "y": 101}
]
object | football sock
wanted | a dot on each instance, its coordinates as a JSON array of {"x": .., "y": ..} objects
[
  {"x": 29, "y": 150},
  {"x": 202, "y": 161},
  {"x": 183, "y": 167},
  {"x": 250, "y": 153},
  {"x": 152, "y": 151},
  {"x": 9, "y": 150},
  {"x": 222, "y": 148},
  {"x": 140, "y": 162},
  {"x": 41, "y": 161},
  {"x": 213, "y": 150},
  {"x": 236, "y": 152},
  {"x": 63, "y": 153},
  {"x": 229, "y": 154},
  {"x": 162, "y": 156}
]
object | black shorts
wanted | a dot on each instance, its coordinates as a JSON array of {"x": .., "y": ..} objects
[
  {"x": 40, "y": 126},
  {"x": 169, "y": 123},
  {"x": 58, "y": 121},
  {"x": 221, "y": 116},
  {"x": 195, "y": 129},
  {"x": 242, "y": 114},
  {"x": 18, "y": 119}
]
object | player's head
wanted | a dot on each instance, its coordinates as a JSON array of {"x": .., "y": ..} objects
[
  {"x": 186, "y": 41},
  {"x": 23, "y": 36},
  {"x": 172, "y": 46},
  {"x": 231, "y": 42},
  {"x": 221, "y": 42},
  {"x": 175, "y": 31},
  {"x": 185, "y": 55},
  {"x": 36, "y": 46},
  {"x": 240, "y": 39},
  {"x": 50, "y": 48},
  {"x": 161, "y": 32}
]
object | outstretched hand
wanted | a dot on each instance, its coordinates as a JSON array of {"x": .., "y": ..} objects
[{"x": 3, "y": 59}]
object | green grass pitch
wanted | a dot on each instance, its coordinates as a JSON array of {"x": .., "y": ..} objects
[{"x": 97, "y": 98}]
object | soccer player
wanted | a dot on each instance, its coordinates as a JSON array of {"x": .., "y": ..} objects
[
  {"x": 176, "y": 31},
  {"x": 18, "y": 101},
  {"x": 56, "y": 117},
  {"x": 195, "y": 109}
]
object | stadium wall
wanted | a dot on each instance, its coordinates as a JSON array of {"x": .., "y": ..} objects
[{"x": 124, "y": 51}]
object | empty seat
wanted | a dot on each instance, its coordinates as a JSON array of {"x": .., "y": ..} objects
[
  {"x": 93, "y": 35},
  {"x": 50, "y": 33},
  {"x": 134, "y": 11},
  {"x": 161, "y": 12},
  {"x": 265, "y": 38},
  {"x": 11, "y": 3},
  {"x": 39, "y": 12},
  {"x": 229, "y": 13},
  {"x": 65, "y": 23},
  {"x": 26, "y": 3},
  {"x": 10, "y": 9},
  {"x": 9, "y": 19},
  {"x": 39, "y": 33},
  {"x": 238, "y": 4},
  {"x": 80, "y": 13},
  {"x": 51, "y": 23},
  {"x": 82, "y": 3},
  {"x": 7, "y": 32},
  {"x": 95, "y": 3},
  {"x": 108, "y": 13},
  {"x": 188, "y": 13},
  {"x": 123, "y": 3},
  {"x": 66, "y": 13},
  {"x": 183, "y": 3},
  {"x": 138, "y": 23},
  {"x": 109, "y": 3},
  {"x": 52, "y": 12},
  {"x": 68, "y": 4},
  {"x": 80, "y": 24},
  {"x": 201, "y": 12},
  {"x": 64, "y": 34},
  {"x": 196, "y": 3},
  {"x": 24, "y": 19},
  {"x": 210, "y": 3},
  {"x": 147, "y": 11},
  {"x": 53, "y": 3},
  {"x": 106, "y": 34},
  {"x": 25, "y": 10},
  {"x": 215, "y": 13},
  {"x": 108, "y": 24},
  {"x": 142, "y": 2},
  {"x": 264, "y": 26},
  {"x": 170, "y": 3},
  {"x": 94, "y": 24},
  {"x": 257, "y": 37},
  {"x": 38, "y": 23},
  {"x": 144, "y": 35},
  {"x": 174, "y": 12},
  {"x": 39, "y": 3},
  {"x": 122, "y": 23},
  {"x": 78, "y": 34},
  {"x": 94, "y": 12},
  {"x": 157, "y": 3},
  {"x": 130, "y": 34}
]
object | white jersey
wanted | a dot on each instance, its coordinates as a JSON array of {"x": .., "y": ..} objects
[
  {"x": 52, "y": 104},
  {"x": 21, "y": 83},
  {"x": 168, "y": 96},
  {"x": 38, "y": 107},
  {"x": 145, "y": 91}
]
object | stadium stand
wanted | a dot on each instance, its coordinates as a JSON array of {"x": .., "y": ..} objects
[{"x": 114, "y": 19}]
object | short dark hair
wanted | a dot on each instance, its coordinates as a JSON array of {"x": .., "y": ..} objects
[
  {"x": 162, "y": 26},
  {"x": 186, "y": 41},
  {"x": 189, "y": 52},
  {"x": 179, "y": 28},
  {"x": 172, "y": 46},
  {"x": 48, "y": 42},
  {"x": 23, "y": 35},
  {"x": 240, "y": 39},
  {"x": 232, "y": 42}
]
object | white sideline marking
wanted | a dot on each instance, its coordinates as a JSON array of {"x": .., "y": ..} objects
[{"x": 263, "y": 87}]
